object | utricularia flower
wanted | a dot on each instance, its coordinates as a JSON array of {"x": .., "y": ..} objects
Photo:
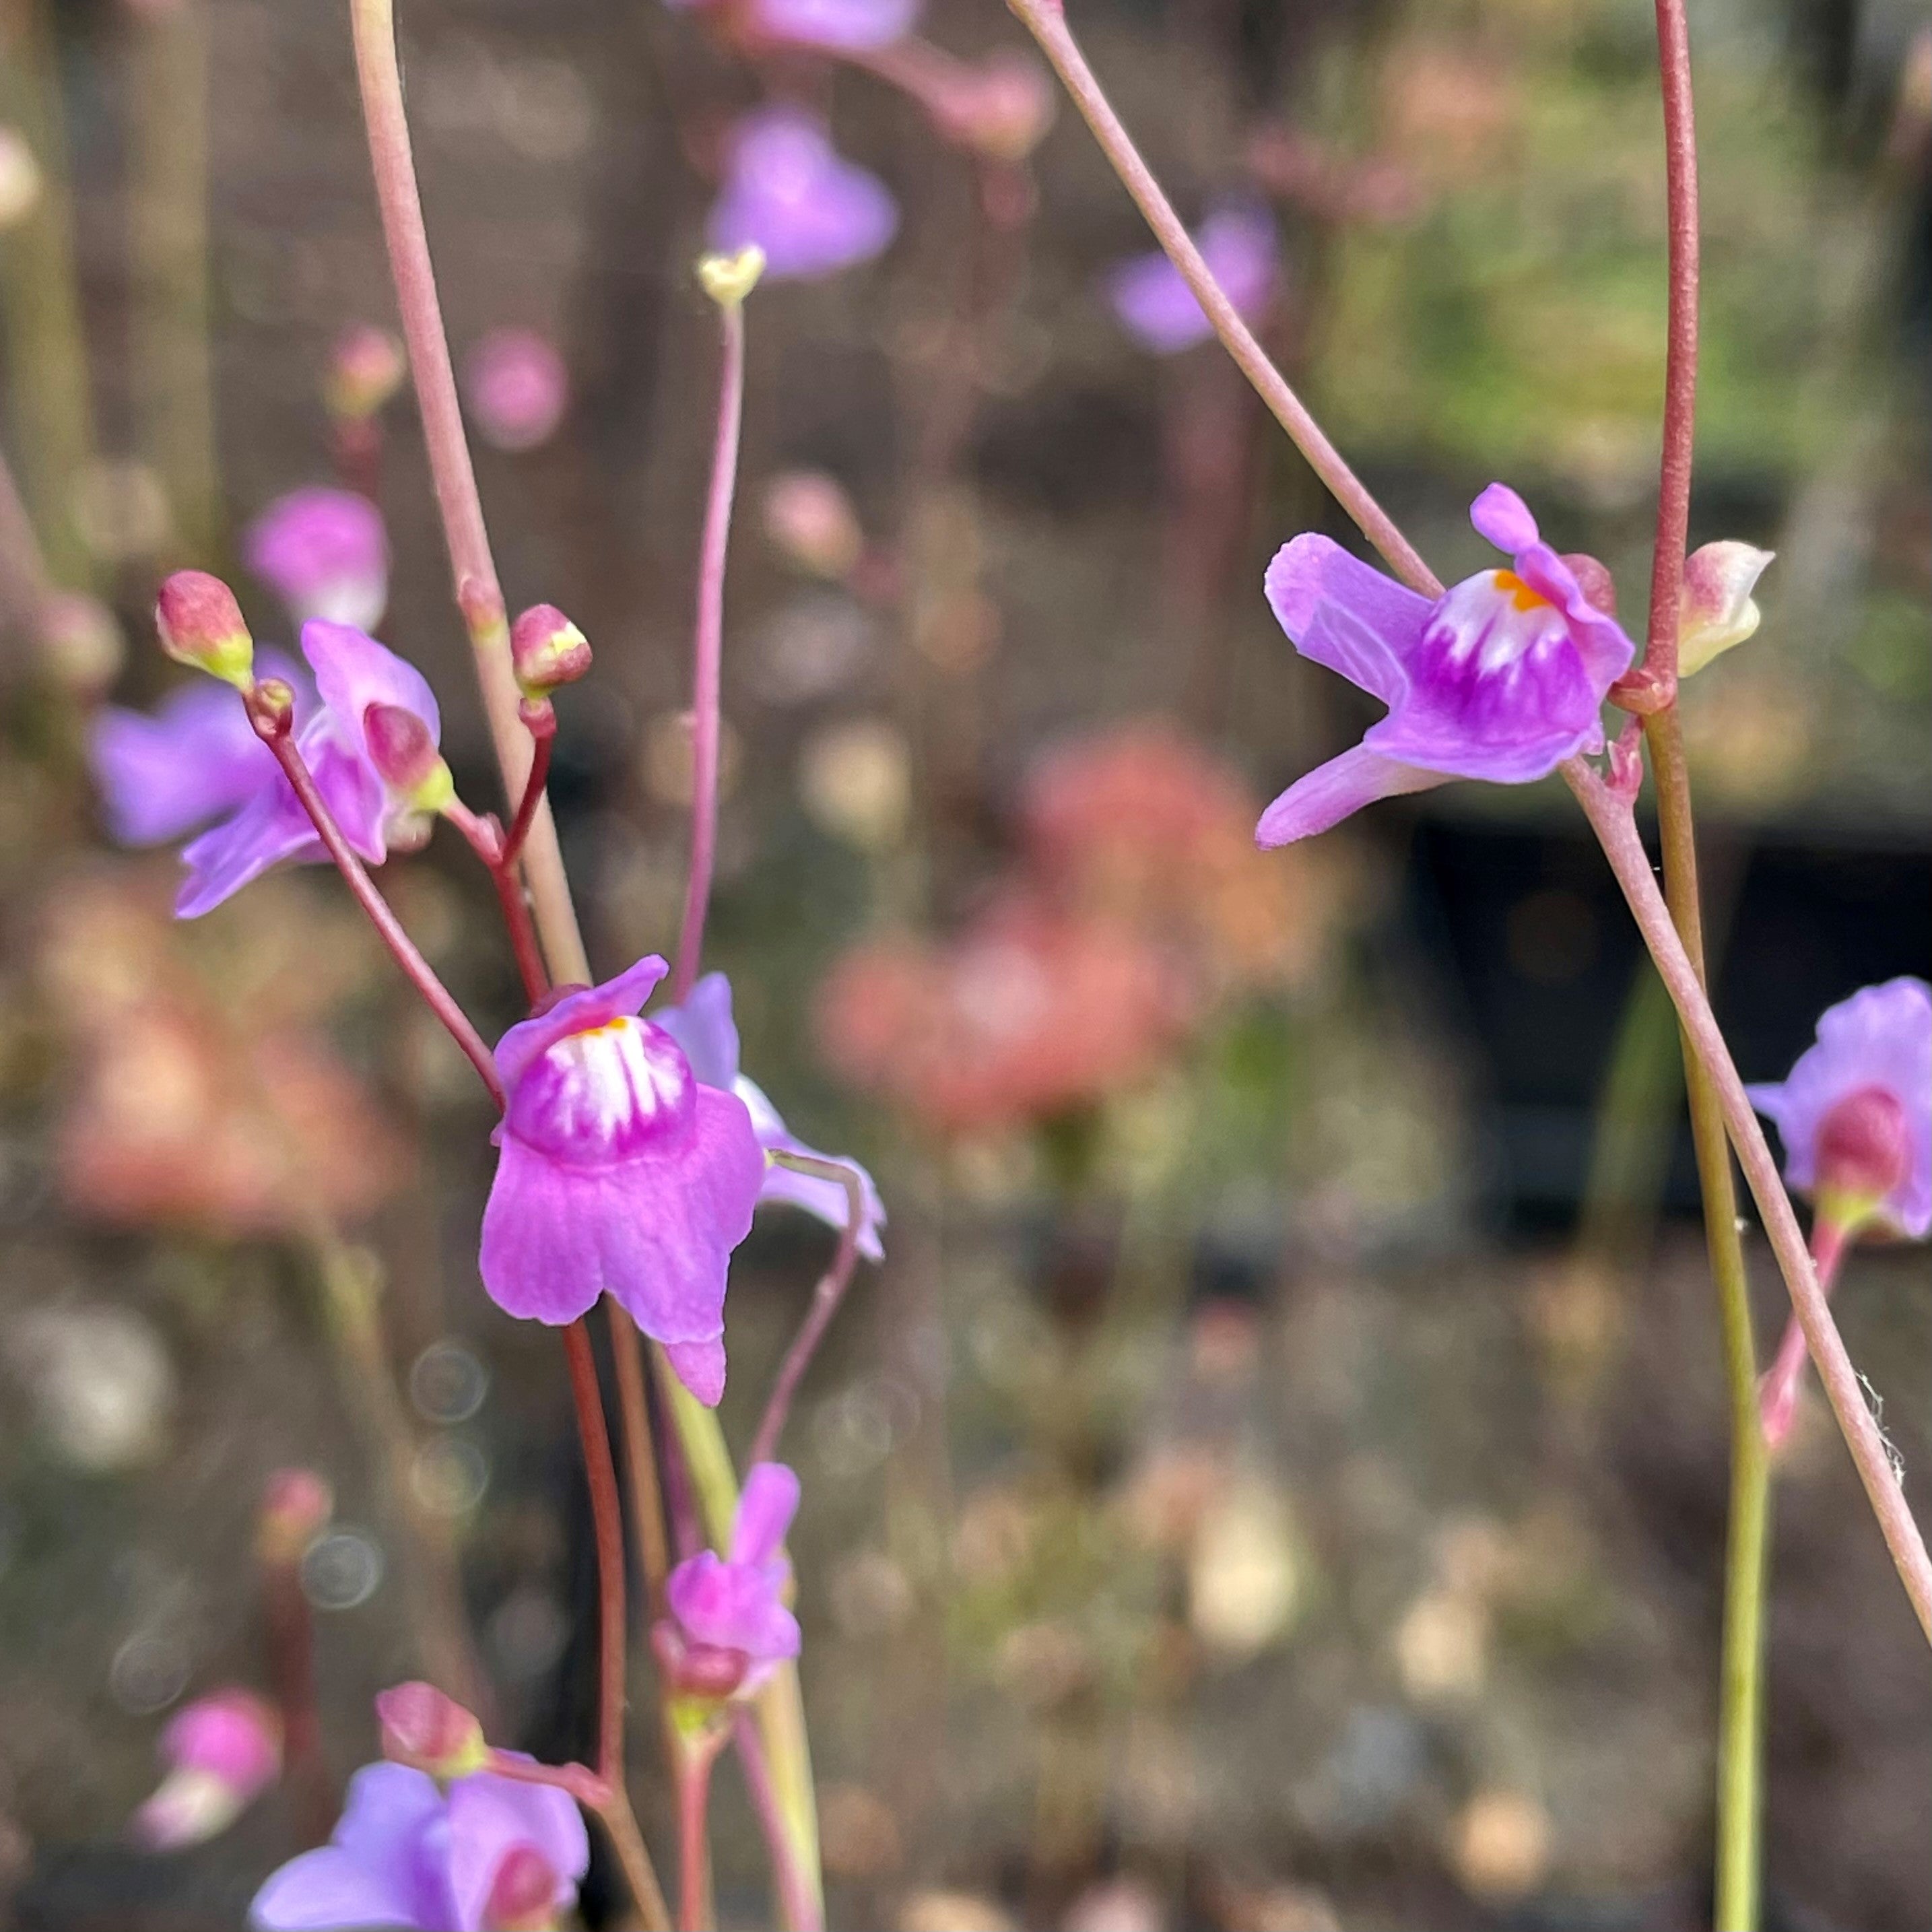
[
  {"x": 1159, "y": 309},
  {"x": 620, "y": 1171},
  {"x": 1854, "y": 1114},
  {"x": 486, "y": 1854},
  {"x": 703, "y": 1026},
  {"x": 198, "y": 760},
  {"x": 786, "y": 191},
  {"x": 517, "y": 389},
  {"x": 729, "y": 1628},
  {"x": 1501, "y": 677},
  {"x": 221, "y": 1752},
  {"x": 324, "y": 553}
]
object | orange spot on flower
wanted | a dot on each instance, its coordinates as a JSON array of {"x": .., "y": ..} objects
[{"x": 1518, "y": 592}]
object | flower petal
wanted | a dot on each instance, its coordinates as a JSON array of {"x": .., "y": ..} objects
[
  {"x": 577, "y": 1012},
  {"x": 703, "y": 1026},
  {"x": 1339, "y": 612},
  {"x": 539, "y": 1255},
  {"x": 489, "y": 1817},
  {"x": 1330, "y": 793},
  {"x": 1503, "y": 517},
  {"x": 733, "y": 1606},
  {"x": 826, "y": 1201},
  {"x": 380, "y": 1870},
  {"x": 699, "y": 1366},
  {"x": 353, "y": 672},
  {"x": 766, "y": 1507}
]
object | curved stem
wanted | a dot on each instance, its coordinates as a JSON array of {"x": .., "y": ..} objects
[
  {"x": 534, "y": 782},
  {"x": 1047, "y": 22},
  {"x": 825, "y": 1299},
  {"x": 708, "y": 650},
  {"x": 1610, "y": 818},
  {"x": 1777, "y": 1394},
  {"x": 478, "y": 594},
  {"x": 420, "y": 974}
]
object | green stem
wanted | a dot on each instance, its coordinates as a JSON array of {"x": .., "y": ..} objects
[{"x": 1740, "y": 1708}]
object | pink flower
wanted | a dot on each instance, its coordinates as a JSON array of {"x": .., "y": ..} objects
[
  {"x": 620, "y": 1171},
  {"x": 324, "y": 553},
  {"x": 1501, "y": 677},
  {"x": 222, "y": 1752},
  {"x": 517, "y": 389},
  {"x": 730, "y": 1624},
  {"x": 788, "y": 191},
  {"x": 1854, "y": 1112},
  {"x": 1160, "y": 309}
]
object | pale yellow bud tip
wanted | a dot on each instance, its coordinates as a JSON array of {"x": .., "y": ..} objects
[
  {"x": 1717, "y": 609},
  {"x": 728, "y": 279}
]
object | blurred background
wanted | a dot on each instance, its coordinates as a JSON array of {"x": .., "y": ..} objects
[{"x": 1276, "y": 1480}]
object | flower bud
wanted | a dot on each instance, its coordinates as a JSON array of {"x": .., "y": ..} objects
[
  {"x": 1864, "y": 1151},
  {"x": 704, "y": 1673},
  {"x": 1716, "y": 609},
  {"x": 405, "y": 758},
  {"x": 809, "y": 516},
  {"x": 523, "y": 1895},
  {"x": 1003, "y": 108},
  {"x": 423, "y": 1728},
  {"x": 517, "y": 389},
  {"x": 365, "y": 369},
  {"x": 1594, "y": 579},
  {"x": 222, "y": 1752},
  {"x": 296, "y": 1506},
  {"x": 546, "y": 650},
  {"x": 201, "y": 626},
  {"x": 728, "y": 279}
]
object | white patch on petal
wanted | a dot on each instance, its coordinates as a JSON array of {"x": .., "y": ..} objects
[{"x": 609, "y": 1080}]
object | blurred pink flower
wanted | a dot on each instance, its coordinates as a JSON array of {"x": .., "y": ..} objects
[
  {"x": 787, "y": 190},
  {"x": 1158, "y": 308},
  {"x": 324, "y": 553},
  {"x": 729, "y": 1623},
  {"x": 517, "y": 389},
  {"x": 221, "y": 1752}
]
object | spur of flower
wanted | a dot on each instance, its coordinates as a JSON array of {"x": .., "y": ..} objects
[
  {"x": 619, "y": 1170},
  {"x": 1854, "y": 1114},
  {"x": 485, "y": 1853},
  {"x": 1501, "y": 677},
  {"x": 729, "y": 1628},
  {"x": 703, "y": 1026}
]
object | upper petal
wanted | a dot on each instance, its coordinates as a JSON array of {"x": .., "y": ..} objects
[
  {"x": 1502, "y": 517},
  {"x": 577, "y": 1012},
  {"x": 1340, "y": 612},
  {"x": 765, "y": 1507},
  {"x": 703, "y": 1026},
  {"x": 353, "y": 671},
  {"x": 1330, "y": 793}
]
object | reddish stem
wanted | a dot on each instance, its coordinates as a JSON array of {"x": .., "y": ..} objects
[
  {"x": 601, "y": 1476},
  {"x": 707, "y": 652},
  {"x": 292, "y": 1666},
  {"x": 275, "y": 735},
  {"x": 825, "y": 1299},
  {"x": 542, "y": 737},
  {"x": 694, "y": 1908},
  {"x": 797, "y": 1898},
  {"x": 1680, "y": 381},
  {"x": 1777, "y": 1392},
  {"x": 578, "y": 1780}
]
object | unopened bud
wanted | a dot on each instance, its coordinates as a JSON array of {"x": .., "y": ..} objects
[
  {"x": 271, "y": 707},
  {"x": 1716, "y": 609},
  {"x": 1003, "y": 108},
  {"x": 808, "y": 516},
  {"x": 80, "y": 643},
  {"x": 1863, "y": 1153},
  {"x": 1594, "y": 579},
  {"x": 296, "y": 1506},
  {"x": 523, "y": 1895},
  {"x": 546, "y": 650},
  {"x": 365, "y": 369},
  {"x": 728, "y": 279},
  {"x": 422, "y": 1727},
  {"x": 201, "y": 624},
  {"x": 405, "y": 758}
]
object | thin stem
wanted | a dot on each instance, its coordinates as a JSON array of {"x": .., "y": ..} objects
[
  {"x": 1680, "y": 381},
  {"x": 640, "y": 1462},
  {"x": 695, "y": 1910},
  {"x": 420, "y": 974},
  {"x": 825, "y": 1299},
  {"x": 1611, "y": 819},
  {"x": 534, "y": 782},
  {"x": 708, "y": 649},
  {"x": 1047, "y": 22},
  {"x": 292, "y": 1668},
  {"x": 1741, "y": 1682},
  {"x": 478, "y": 593},
  {"x": 799, "y": 1904},
  {"x": 1777, "y": 1395}
]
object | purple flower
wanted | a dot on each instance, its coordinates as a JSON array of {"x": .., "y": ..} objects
[
  {"x": 1158, "y": 306},
  {"x": 848, "y": 26},
  {"x": 786, "y": 189},
  {"x": 1854, "y": 1112},
  {"x": 736, "y": 1604},
  {"x": 352, "y": 672},
  {"x": 703, "y": 1027},
  {"x": 407, "y": 1854},
  {"x": 195, "y": 758},
  {"x": 1502, "y": 677},
  {"x": 324, "y": 553},
  {"x": 620, "y": 1170},
  {"x": 222, "y": 1752},
  {"x": 517, "y": 389}
]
